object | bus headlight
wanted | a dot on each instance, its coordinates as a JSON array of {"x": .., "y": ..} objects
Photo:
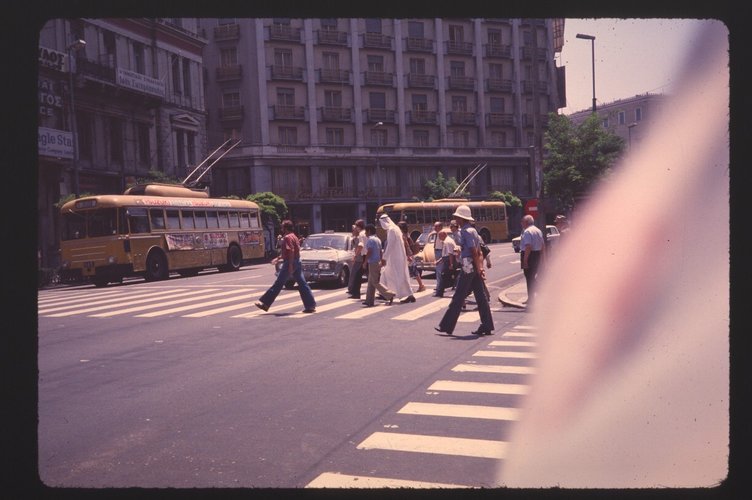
[{"x": 111, "y": 259}]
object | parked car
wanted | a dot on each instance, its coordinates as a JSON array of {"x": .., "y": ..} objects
[
  {"x": 326, "y": 258},
  {"x": 427, "y": 258},
  {"x": 551, "y": 236}
]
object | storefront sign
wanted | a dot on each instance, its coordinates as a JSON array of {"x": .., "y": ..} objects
[
  {"x": 55, "y": 143},
  {"x": 139, "y": 82},
  {"x": 50, "y": 97},
  {"x": 52, "y": 59}
]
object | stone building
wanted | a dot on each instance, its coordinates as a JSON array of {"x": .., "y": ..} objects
[{"x": 340, "y": 115}]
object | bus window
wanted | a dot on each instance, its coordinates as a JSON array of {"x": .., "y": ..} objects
[
  {"x": 173, "y": 219},
  {"x": 157, "y": 219},
  {"x": 138, "y": 220},
  {"x": 223, "y": 221},
  {"x": 74, "y": 226},
  {"x": 187, "y": 217},
  {"x": 234, "y": 221},
  {"x": 102, "y": 222},
  {"x": 244, "y": 219},
  {"x": 254, "y": 215},
  {"x": 409, "y": 216},
  {"x": 200, "y": 217},
  {"x": 122, "y": 221},
  {"x": 211, "y": 218}
]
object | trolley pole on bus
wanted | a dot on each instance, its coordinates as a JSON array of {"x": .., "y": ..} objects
[{"x": 76, "y": 45}]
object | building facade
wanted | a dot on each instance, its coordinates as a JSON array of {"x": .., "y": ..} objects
[
  {"x": 628, "y": 118},
  {"x": 338, "y": 116},
  {"x": 118, "y": 98}
]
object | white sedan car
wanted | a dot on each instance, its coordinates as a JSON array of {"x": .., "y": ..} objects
[{"x": 552, "y": 234}]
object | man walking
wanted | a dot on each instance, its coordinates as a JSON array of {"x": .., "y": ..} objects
[
  {"x": 532, "y": 252},
  {"x": 438, "y": 248},
  {"x": 291, "y": 266},
  {"x": 373, "y": 261},
  {"x": 356, "y": 273},
  {"x": 471, "y": 277}
]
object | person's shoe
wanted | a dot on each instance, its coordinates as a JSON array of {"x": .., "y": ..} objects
[
  {"x": 438, "y": 329},
  {"x": 389, "y": 300},
  {"x": 481, "y": 331},
  {"x": 309, "y": 310},
  {"x": 421, "y": 288},
  {"x": 262, "y": 306},
  {"x": 437, "y": 295},
  {"x": 407, "y": 300},
  {"x": 366, "y": 304}
]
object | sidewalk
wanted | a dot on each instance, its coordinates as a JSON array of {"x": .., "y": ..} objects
[{"x": 514, "y": 295}]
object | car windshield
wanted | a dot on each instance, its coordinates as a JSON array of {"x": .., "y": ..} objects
[
  {"x": 423, "y": 238},
  {"x": 325, "y": 242}
]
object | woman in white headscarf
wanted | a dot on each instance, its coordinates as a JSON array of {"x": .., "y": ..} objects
[{"x": 395, "y": 275}]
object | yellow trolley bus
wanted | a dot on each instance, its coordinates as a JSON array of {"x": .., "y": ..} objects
[
  {"x": 490, "y": 216},
  {"x": 154, "y": 229}
]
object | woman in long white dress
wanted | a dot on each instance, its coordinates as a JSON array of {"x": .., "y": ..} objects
[{"x": 395, "y": 275}]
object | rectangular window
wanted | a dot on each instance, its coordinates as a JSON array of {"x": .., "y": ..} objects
[
  {"x": 139, "y": 58},
  {"x": 329, "y": 23},
  {"x": 285, "y": 96},
  {"x": 333, "y": 98},
  {"x": 331, "y": 60},
  {"x": 85, "y": 134},
  {"x": 157, "y": 219},
  {"x": 211, "y": 219},
  {"x": 191, "y": 146},
  {"x": 138, "y": 220},
  {"x": 180, "y": 146},
  {"x": 499, "y": 139},
  {"x": 335, "y": 136},
  {"x": 175, "y": 66},
  {"x": 420, "y": 102},
  {"x": 622, "y": 117},
  {"x": 497, "y": 105},
  {"x": 460, "y": 140},
  {"x": 459, "y": 103},
  {"x": 108, "y": 39},
  {"x": 225, "y": 20},
  {"x": 102, "y": 222},
  {"x": 282, "y": 21},
  {"x": 144, "y": 143},
  {"x": 373, "y": 25},
  {"x": 173, "y": 219},
  {"x": 283, "y": 58},
  {"x": 495, "y": 71},
  {"x": 200, "y": 217},
  {"x": 376, "y": 63},
  {"x": 231, "y": 99},
  {"x": 415, "y": 29},
  {"x": 456, "y": 33},
  {"x": 420, "y": 138},
  {"x": 228, "y": 57},
  {"x": 379, "y": 137},
  {"x": 457, "y": 68},
  {"x": 224, "y": 221},
  {"x": 234, "y": 219},
  {"x": 638, "y": 114},
  {"x": 187, "y": 217},
  {"x": 254, "y": 216},
  {"x": 417, "y": 66},
  {"x": 335, "y": 178},
  {"x": 494, "y": 37},
  {"x": 288, "y": 136},
  {"x": 187, "y": 77},
  {"x": 116, "y": 139},
  {"x": 377, "y": 100},
  {"x": 244, "y": 220}
]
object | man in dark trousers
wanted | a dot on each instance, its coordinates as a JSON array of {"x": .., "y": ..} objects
[
  {"x": 358, "y": 245},
  {"x": 291, "y": 266},
  {"x": 532, "y": 251}
]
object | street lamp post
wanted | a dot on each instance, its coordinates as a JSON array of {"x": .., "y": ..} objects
[
  {"x": 629, "y": 130},
  {"x": 592, "y": 47},
  {"x": 76, "y": 45}
]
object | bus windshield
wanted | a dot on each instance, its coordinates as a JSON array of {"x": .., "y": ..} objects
[{"x": 89, "y": 224}]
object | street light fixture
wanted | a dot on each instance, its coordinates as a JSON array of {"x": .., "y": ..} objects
[
  {"x": 75, "y": 46},
  {"x": 592, "y": 47}
]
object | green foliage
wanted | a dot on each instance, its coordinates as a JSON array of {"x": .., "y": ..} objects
[
  {"x": 65, "y": 199},
  {"x": 155, "y": 176},
  {"x": 507, "y": 197},
  {"x": 577, "y": 158},
  {"x": 273, "y": 207},
  {"x": 442, "y": 187}
]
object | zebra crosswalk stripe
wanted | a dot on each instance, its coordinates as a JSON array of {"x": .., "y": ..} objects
[{"x": 481, "y": 448}]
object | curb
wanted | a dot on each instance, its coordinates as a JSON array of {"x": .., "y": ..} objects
[{"x": 514, "y": 295}]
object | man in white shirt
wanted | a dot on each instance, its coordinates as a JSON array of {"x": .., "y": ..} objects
[
  {"x": 532, "y": 252},
  {"x": 438, "y": 246},
  {"x": 445, "y": 262}
]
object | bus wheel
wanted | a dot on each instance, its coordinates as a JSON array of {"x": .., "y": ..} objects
[
  {"x": 156, "y": 267},
  {"x": 100, "y": 282},
  {"x": 485, "y": 235},
  {"x": 234, "y": 259}
]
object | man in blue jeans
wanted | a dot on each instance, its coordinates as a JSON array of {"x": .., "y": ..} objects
[
  {"x": 471, "y": 277},
  {"x": 291, "y": 266}
]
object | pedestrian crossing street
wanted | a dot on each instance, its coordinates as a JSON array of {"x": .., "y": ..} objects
[
  {"x": 436, "y": 405},
  {"x": 235, "y": 302}
]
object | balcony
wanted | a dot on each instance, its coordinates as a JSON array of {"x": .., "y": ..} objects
[
  {"x": 93, "y": 69},
  {"x": 331, "y": 37},
  {"x": 227, "y": 32},
  {"x": 337, "y": 192},
  {"x": 498, "y": 85},
  {"x": 420, "y": 117},
  {"x": 542, "y": 87},
  {"x": 377, "y": 41},
  {"x": 500, "y": 119},
  {"x": 284, "y": 33},
  {"x": 334, "y": 76},
  {"x": 419, "y": 44},
  {"x": 418, "y": 80},
  {"x": 378, "y": 78},
  {"x": 459, "y": 48},
  {"x": 232, "y": 72},
  {"x": 527, "y": 53},
  {"x": 461, "y": 118},
  {"x": 461, "y": 83},
  {"x": 287, "y": 73},
  {"x": 379, "y": 115},
  {"x": 335, "y": 114},
  {"x": 498, "y": 50},
  {"x": 231, "y": 113},
  {"x": 283, "y": 112}
]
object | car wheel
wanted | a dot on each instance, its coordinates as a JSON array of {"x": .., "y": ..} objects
[{"x": 344, "y": 277}]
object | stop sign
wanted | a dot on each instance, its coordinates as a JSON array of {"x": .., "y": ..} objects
[{"x": 531, "y": 207}]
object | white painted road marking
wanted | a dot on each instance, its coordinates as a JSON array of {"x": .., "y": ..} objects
[
  {"x": 336, "y": 480},
  {"x": 516, "y": 370},
  {"x": 441, "y": 445},
  {"x": 482, "y": 387},
  {"x": 462, "y": 411}
]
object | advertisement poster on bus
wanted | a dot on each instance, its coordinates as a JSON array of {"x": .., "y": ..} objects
[
  {"x": 182, "y": 242},
  {"x": 249, "y": 238},
  {"x": 215, "y": 240}
]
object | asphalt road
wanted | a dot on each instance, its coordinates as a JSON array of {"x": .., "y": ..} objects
[{"x": 184, "y": 383}]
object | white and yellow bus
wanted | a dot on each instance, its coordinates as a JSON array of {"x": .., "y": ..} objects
[
  {"x": 154, "y": 229},
  {"x": 490, "y": 216}
]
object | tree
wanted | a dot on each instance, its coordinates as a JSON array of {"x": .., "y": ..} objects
[
  {"x": 577, "y": 158},
  {"x": 507, "y": 197},
  {"x": 442, "y": 187},
  {"x": 273, "y": 207}
]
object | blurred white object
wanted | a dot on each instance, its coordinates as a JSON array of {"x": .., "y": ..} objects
[{"x": 632, "y": 384}]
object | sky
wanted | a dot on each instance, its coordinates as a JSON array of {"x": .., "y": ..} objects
[{"x": 632, "y": 56}]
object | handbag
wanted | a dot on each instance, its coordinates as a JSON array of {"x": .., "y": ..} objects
[{"x": 485, "y": 250}]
